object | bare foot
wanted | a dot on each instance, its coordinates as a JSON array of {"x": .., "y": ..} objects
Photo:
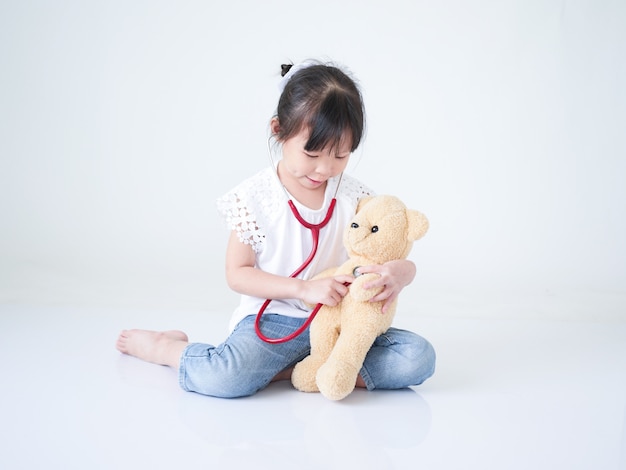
[
  {"x": 158, "y": 347},
  {"x": 286, "y": 375}
]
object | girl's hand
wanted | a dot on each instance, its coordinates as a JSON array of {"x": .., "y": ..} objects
[
  {"x": 328, "y": 291},
  {"x": 393, "y": 276}
]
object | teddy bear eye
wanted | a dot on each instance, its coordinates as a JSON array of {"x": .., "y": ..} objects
[
  {"x": 375, "y": 229},
  {"x": 354, "y": 225}
]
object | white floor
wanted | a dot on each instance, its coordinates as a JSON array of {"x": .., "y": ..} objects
[{"x": 507, "y": 394}]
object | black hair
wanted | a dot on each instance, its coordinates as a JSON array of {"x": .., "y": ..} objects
[{"x": 324, "y": 100}]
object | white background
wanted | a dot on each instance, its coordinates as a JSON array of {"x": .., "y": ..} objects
[{"x": 503, "y": 121}]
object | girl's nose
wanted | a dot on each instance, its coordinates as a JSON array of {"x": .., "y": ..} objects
[{"x": 325, "y": 167}]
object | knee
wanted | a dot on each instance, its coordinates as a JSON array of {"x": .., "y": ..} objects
[
  {"x": 423, "y": 360},
  {"x": 418, "y": 362}
]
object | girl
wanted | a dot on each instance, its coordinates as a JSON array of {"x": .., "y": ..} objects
[{"x": 318, "y": 124}]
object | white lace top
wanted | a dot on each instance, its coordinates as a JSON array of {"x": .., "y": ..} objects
[{"x": 257, "y": 209}]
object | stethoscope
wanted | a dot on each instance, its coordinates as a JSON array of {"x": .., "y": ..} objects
[{"x": 315, "y": 234}]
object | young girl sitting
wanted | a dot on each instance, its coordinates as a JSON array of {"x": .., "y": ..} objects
[{"x": 319, "y": 122}]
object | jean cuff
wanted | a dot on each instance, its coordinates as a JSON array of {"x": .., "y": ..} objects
[{"x": 369, "y": 383}]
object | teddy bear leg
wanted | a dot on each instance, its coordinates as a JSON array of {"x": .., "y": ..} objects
[
  {"x": 336, "y": 378},
  {"x": 323, "y": 335}
]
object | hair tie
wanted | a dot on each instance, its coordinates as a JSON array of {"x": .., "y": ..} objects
[
  {"x": 284, "y": 69},
  {"x": 292, "y": 71}
]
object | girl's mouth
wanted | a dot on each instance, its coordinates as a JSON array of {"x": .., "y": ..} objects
[{"x": 315, "y": 182}]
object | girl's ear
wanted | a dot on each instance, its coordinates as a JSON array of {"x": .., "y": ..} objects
[{"x": 274, "y": 126}]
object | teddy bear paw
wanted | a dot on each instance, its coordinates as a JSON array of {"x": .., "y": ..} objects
[
  {"x": 359, "y": 293},
  {"x": 303, "y": 376},
  {"x": 336, "y": 382}
]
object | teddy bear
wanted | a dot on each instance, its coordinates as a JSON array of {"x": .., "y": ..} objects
[{"x": 383, "y": 229}]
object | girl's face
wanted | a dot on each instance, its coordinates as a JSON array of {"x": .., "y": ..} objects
[{"x": 310, "y": 170}]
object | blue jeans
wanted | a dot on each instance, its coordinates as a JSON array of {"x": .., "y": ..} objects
[{"x": 244, "y": 364}]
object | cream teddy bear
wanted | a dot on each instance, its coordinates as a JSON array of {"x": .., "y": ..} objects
[{"x": 382, "y": 230}]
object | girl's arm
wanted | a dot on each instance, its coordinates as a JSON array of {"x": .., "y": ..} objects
[
  {"x": 243, "y": 277},
  {"x": 393, "y": 277}
]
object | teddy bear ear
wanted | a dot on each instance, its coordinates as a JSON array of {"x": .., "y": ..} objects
[
  {"x": 418, "y": 224},
  {"x": 363, "y": 201}
]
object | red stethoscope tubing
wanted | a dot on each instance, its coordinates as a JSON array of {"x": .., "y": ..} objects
[{"x": 315, "y": 232}]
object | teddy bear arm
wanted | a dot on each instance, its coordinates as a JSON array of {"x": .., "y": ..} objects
[{"x": 358, "y": 292}]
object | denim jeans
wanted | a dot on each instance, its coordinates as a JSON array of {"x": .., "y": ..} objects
[{"x": 244, "y": 364}]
